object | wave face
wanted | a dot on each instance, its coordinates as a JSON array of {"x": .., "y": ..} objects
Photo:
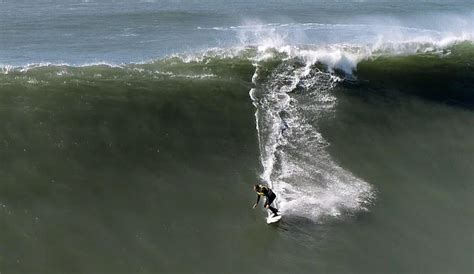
[
  {"x": 291, "y": 89},
  {"x": 446, "y": 76}
]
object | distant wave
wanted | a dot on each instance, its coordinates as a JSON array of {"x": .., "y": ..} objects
[{"x": 316, "y": 26}]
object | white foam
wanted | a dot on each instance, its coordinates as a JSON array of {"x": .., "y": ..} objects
[
  {"x": 293, "y": 156},
  {"x": 344, "y": 54}
]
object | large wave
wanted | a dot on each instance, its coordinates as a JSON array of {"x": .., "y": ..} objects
[{"x": 291, "y": 87}]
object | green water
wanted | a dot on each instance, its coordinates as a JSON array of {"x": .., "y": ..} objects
[
  {"x": 423, "y": 218},
  {"x": 132, "y": 133},
  {"x": 144, "y": 177},
  {"x": 128, "y": 181}
]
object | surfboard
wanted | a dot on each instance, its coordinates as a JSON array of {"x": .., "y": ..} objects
[{"x": 271, "y": 219}]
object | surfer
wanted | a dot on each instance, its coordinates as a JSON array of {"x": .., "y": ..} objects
[{"x": 269, "y": 195}]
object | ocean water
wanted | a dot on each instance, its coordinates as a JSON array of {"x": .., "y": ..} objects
[{"x": 133, "y": 131}]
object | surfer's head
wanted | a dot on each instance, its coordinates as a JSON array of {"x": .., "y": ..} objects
[{"x": 256, "y": 187}]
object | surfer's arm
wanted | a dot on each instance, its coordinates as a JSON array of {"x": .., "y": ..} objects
[{"x": 258, "y": 200}]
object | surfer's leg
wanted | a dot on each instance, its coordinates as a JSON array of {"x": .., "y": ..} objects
[
  {"x": 268, "y": 203},
  {"x": 273, "y": 210}
]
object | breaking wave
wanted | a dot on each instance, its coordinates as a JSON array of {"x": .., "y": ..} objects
[{"x": 290, "y": 87}]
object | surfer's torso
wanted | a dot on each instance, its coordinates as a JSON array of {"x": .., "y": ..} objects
[{"x": 265, "y": 191}]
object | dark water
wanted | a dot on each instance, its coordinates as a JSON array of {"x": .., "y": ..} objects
[
  {"x": 359, "y": 115},
  {"x": 424, "y": 191}
]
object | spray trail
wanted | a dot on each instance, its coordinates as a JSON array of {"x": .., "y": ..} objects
[{"x": 289, "y": 100}]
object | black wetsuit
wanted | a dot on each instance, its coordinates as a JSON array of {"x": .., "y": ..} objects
[{"x": 270, "y": 197}]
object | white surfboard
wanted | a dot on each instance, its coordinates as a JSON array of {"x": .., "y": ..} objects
[{"x": 271, "y": 219}]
